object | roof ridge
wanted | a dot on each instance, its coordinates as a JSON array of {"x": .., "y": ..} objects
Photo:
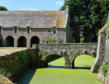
[{"x": 33, "y": 11}]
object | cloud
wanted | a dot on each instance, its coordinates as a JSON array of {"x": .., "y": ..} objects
[
  {"x": 59, "y": 2},
  {"x": 24, "y": 8}
]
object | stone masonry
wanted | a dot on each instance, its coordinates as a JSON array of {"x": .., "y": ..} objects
[
  {"x": 68, "y": 51},
  {"x": 24, "y": 28}
]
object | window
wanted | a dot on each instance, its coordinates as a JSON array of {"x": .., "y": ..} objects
[
  {"x": 15, "y": 30},
  {"x": 0, "y": 29},
  {"x": 49, "y": 30},
  {"x": 28, "y": 30},
  {"x": 54, "y": 30}
]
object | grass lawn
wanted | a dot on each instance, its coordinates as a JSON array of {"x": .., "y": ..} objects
[
  {"x": 58, "y": 62},
  {"x": 66, "y": 76},
  {"x": 84, "y": 61},
  {"x": 80, "y": 61}
]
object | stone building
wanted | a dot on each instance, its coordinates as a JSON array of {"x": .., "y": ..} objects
[{"x": 24, "y": 28}]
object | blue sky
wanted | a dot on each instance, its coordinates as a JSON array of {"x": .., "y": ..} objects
[{"x": 32, "y": 4}]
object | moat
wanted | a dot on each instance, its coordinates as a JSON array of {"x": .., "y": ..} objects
[{"x": 57, "y": 74}]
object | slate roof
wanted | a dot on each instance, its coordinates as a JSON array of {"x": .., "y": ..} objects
[{"x": 33, "y": 19}]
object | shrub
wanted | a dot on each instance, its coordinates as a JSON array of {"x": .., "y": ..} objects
[
  {"x": 4, "y": 73},
  {"x": 51, "y": 40},
  {"x": 104, "y": 68}
]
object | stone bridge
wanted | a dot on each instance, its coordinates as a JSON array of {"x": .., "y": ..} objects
[{"x": 68, "y": 51}]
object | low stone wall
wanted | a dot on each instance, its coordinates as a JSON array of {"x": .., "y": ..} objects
[
  {"x": 16, "y": 63},
  {"x": 4, "y": 80},
  {"x": 68, "y": 46},
  {"x": 9, "y": 50}
]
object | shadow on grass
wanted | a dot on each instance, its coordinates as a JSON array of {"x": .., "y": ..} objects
[
  {"x": 26, "y": 77},
  {"x": 52, "y": 66},
  {"x": 82, "y": 67}
]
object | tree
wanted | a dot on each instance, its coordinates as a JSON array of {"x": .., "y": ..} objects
[
  {"x": 87, "y": 17},
  {"x": 2, "y": 8}
]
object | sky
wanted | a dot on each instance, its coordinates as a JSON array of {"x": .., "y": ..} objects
[{"x": 32, "y": 4}]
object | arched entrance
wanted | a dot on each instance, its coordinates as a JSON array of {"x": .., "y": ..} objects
[
  {"x": 22, "y": 42},
  {"x": 9, "y": 41},
  {"x": 35, "y": 40}
]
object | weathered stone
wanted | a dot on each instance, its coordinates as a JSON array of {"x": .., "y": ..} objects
[
  {"x": 25, "y": 28},
  {"x": 102, "y": 54},
  {"x": 68, "y": 51}
]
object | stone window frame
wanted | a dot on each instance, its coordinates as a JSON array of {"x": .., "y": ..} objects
[
  {"x": 49, "y": 30},
  {"x": 15, "y": 29},
  {"x": 54, "y": 30},
  {"x": 28, "y": 30},
  {"x": 0, "y": 29}
]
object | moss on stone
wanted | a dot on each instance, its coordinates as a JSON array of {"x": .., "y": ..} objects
[{"x": 104, "y": 68}]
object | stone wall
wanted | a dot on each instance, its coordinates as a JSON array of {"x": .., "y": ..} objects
[
  {"x": 4, "y": 80},
  {"x": 68, "y": 51},
  {"x": 105, "y": 78},
  {"x": 100, "y": 52},
  {"x": 41, "y": 33},
  {"x": 102, "y": 61},
  {"x": 16, "y": 63}
]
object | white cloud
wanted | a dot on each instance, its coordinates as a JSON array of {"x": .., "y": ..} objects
[
  {"x": 23, "y": 8},
  {"x": 59, "y": 2}
]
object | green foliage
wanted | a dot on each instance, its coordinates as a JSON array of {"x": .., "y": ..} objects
[
  {"x": 13, "y": 65},
  {"x": 87, "y": 17},
  {"x": 2, "y": 8},
  {"x": 51, "y": 40},
  {"x": 104, "y": 68},
  {"x": 82, "y": 39},
  {"x": 4, "y": 73}
]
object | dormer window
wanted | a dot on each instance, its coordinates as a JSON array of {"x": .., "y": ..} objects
[
  {"x": 15, "y": 29},
  {"x": 54, "y": 30},
  {"x": 28, "y": 30}
]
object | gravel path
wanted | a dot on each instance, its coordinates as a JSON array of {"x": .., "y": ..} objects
[{"x": 6, "y": 51}]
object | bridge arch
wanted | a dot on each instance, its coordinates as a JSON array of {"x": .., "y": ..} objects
[
  {"x": 9, "y": 41},
  {"x": 22, "y": 42},
  {"x": 68, "y": 51},
  {"x": 83, "y": 61},
  {"x": 76, "y": 53},
  {"x": 34, "y": 40}
]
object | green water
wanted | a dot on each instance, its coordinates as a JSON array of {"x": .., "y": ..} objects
[{"x": 60, "y": 75}]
